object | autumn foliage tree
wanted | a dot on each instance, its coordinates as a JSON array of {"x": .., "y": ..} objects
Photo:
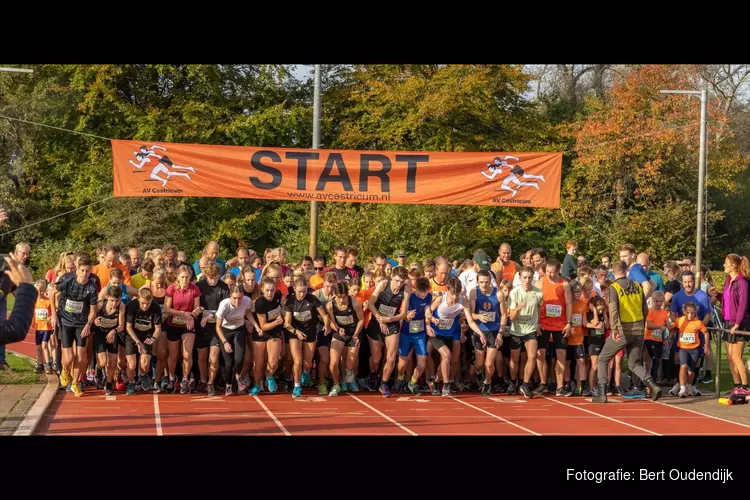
[{"x": 634, "y": 176}]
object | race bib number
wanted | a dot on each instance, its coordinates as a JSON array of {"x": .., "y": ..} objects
[
  {"x": 73, "y": 306},
  {"x": 576, "y": 320},
  {"x": 275, "y": 313},
  {"x": 553, "y": 310},
  {"x": 142, "y": 325},
  {"x": 523, "y": 319},
  {"x": 179, "y": 320},
  {"x": 688, "y": 338},
  {"x": 345, "y": 320},
  {"x": 386, "y": 310},
  {"x": 235, "y": 320},
  {"x": 108, "y": 322},
  {"x": 41, "y": 314},
  {"x": 445, "y": 324},
  {"x": 416, "y": 326},
  {"x": 490, "y": 317},
  {"x": 597, "y": 332},
  {"x": 207, "y": 313},
  {"x": 303, "y": 316},
  {"x": 657, "y": 334}
]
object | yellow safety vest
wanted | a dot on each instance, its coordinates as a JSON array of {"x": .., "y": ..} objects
[{"x": 631, "y": 303}]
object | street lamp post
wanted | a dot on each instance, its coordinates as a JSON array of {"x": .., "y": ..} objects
[
  {"x": 313, "y": 249},
  {"x": 701, "y": 181}
]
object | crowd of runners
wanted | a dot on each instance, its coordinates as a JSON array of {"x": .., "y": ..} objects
[{"x": 258, "y": 323}]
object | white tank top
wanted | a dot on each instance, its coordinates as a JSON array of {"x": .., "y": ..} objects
[{"x": 444, "y": 311}]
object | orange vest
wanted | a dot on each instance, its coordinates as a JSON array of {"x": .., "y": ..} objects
[{"x": 553, "y": 315}]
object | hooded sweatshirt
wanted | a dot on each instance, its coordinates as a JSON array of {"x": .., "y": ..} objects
[{"x": 625, "y": 300}]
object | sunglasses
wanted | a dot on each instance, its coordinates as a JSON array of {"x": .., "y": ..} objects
[{"x": 318, "y": 268}]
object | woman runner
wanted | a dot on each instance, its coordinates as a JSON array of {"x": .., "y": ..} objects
[
  {"x": 303, "y": 313},
  {"x": 235, "y": 319},
  {"x": 347, "y": 321},
  {"x": 109, "y": 323}
]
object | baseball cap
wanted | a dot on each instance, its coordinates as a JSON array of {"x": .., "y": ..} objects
[
  {"x": 400, "y": 253},
  {"x": 482, "y": 260}
]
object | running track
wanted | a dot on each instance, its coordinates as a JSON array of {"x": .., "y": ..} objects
[{"x": 366, "y": 413}]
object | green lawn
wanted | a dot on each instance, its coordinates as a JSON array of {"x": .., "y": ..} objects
[{"x": 23, "y": 371}]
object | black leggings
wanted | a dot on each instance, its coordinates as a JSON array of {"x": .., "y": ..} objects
[
  {"x": 654, "y": 349},
  {"x": 233, "y": 360}
]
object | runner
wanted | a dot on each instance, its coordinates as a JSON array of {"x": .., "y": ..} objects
[
  {"x": 143, "y": 320},
  {"x": 524, "y": 306},
  {"x": 108, "y": 326},
  {"x": 111, "y": 261},
  {"x": 44, "y": 326},
  {"x": 267, "y": 342},
  {"x": 212, "y": 292},
  {"x": 689, "y": 326},
  {"x": 388, "y": 305},
  {"x": 597, "y": 318},
  {"x": 182, "y": 305},
  {"x": 77, "y": 307},
  {"x": 488, "y": 307},
  {"x": 340, "y": 269},
  {"x": 504, "y": 268},
  {"x": 251, "y": 290},
  {"x": 235, "y": 319},
  {"x": 555, "y": 321},
  {"x": 144, "y": 275},
  {"x": 319, "y": 266},
  {"x": 443, "y": 320},
  {"x": 413, "y": 335},
  {"x": 158, "y": 288},
  {"x": 347, "y": 319},
  {"x": 304, "y": 313},
  {"x": 324, "y": 295}
]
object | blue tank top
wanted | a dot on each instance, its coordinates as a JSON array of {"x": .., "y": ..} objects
[
  {"x": 417, "y": 325},
  {"x": 488, "y": 304},
  {"x": 124, "y": 298}
]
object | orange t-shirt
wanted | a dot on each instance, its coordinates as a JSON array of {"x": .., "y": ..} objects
[
  {"x": 580, "y": 307},
  {"x": 103, "y": 271},
  {"x": 507, "y": 272},
  {"x": 553, "y": 315},
  {"x": 316, "y": 282},
  {"x": 435, "y": 287},
  {"x": 42, "y": 314},
  {"x": 689, "y": 331},
  {"x": 362, "y": 297},
  {"x": 659, "y": 318}
]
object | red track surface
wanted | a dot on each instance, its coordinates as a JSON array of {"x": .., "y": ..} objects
[{"x": 366, "y": 413}]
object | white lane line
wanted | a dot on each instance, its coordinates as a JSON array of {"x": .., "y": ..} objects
[
  {"x": 603, "y": 416},
  {"x": 383, "y": 415},
  {"x": 273, "y": 417},
  {"x": 157, "y": 416},
  {"x": 495, "y": 416}
]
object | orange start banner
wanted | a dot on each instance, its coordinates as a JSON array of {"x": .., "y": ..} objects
[{"x": 500, "y": 179}]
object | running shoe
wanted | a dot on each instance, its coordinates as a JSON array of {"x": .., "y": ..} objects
[
  {"x": 512, "y": 388},
  {"x": 414, "y": 388},
  {"x": 255, "y": 390},
  {"x": 131, "y": 389},
  {"x": 211, "y": 390},
  {"x": 272, "y": 387},
  {"x": 185, "y": 387},
  {"x": 683, "y": 393},
  {"x": 486, "y": 390},
  {"x": 305, "y": 378},
  {"x": 297, "y": 392},
  {"x": 353, "y": 386},
  {"x": 446, "y": 390},
  {"x": 77, "y": 391},
  {"x": 526, "y": 391},
  {"x": 634, "y": 393},
  {"x": 323, "y": 389},
  {"x": 694, "y": 391},
  {"x": 335, "y": 391},
  {"x": 384, "y": 390}
]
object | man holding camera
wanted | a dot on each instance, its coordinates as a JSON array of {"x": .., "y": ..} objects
[{"x": 15, "y": 328}]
